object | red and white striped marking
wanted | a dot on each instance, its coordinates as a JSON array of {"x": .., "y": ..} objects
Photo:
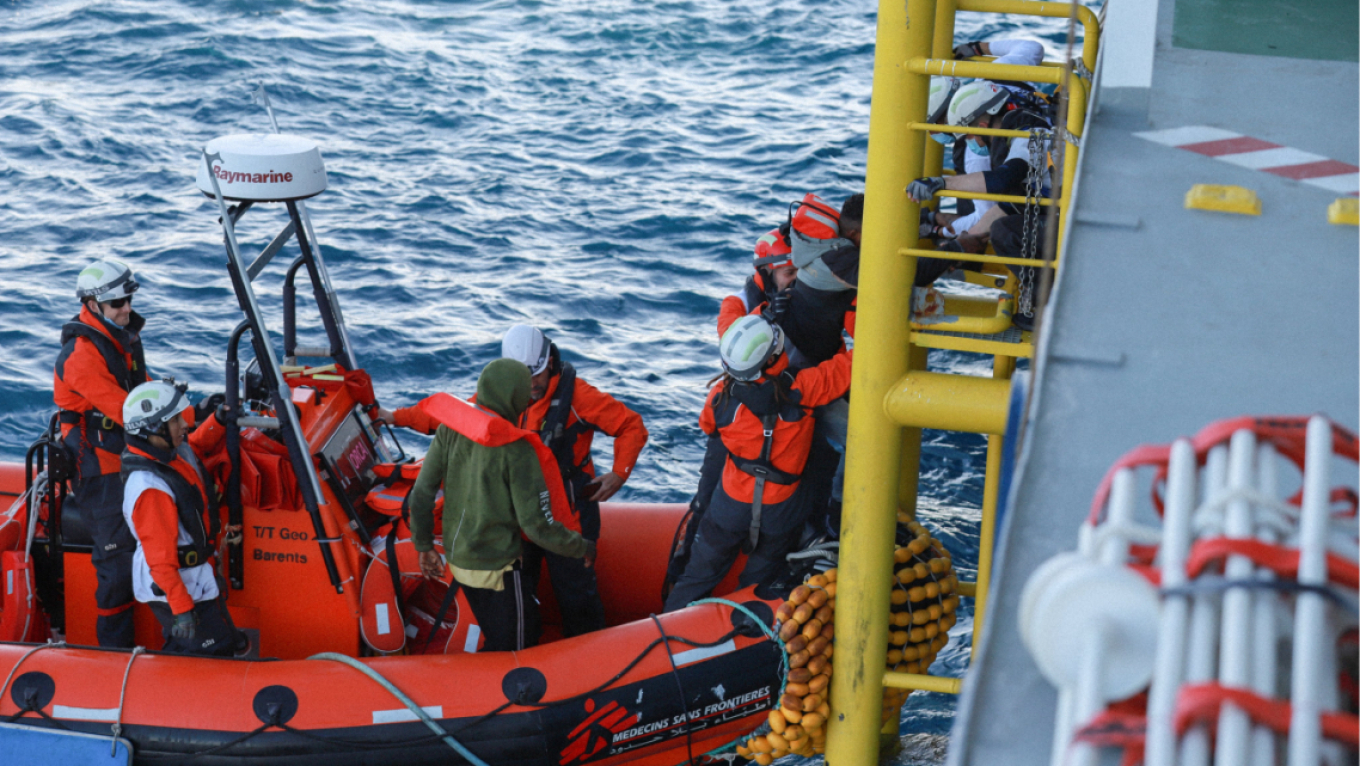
[{"x": 1255, "y": 154}]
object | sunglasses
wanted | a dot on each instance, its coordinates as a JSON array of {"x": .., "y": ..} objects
[{"x": 118, "y": 303}]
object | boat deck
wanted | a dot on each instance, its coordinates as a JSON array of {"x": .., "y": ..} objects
[{"x": 1165, "y": 318}]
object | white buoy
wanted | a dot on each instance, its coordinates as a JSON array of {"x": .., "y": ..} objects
[{"x": 264, "y": 167}]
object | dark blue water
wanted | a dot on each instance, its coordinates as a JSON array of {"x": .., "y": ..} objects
[{"x": 599, "y": 169}]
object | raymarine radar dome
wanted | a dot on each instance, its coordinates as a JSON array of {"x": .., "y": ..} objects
[{"x": 264, "y": 167}]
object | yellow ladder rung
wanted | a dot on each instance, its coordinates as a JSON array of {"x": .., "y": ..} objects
[
  {"x": 972, "y": 345},
  {"x": 1014, "y": 199},
  {"x": 987, "y": 59},
  {"x": 937, "y": 128},
  {"x": 917, "y": 252},
  {"x": 921, "y": 682},
  {"x": 966, "y": 589}
]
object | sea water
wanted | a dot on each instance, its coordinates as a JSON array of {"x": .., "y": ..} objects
[{"x": 599, "y": 169}]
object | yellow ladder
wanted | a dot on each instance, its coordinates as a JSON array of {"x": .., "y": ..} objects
[{"x": 894, "y": 396}]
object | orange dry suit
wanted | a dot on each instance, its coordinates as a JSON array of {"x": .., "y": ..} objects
[
  {"x": 170, "y": 504},
  {"x": 766, "y": 428},
  {"x": 567, "y": 417},
  {"x": 98, "y": 365}
]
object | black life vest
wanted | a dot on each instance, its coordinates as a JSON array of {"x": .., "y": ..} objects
[
  {"x": 1016, "y": 118},
  {"x": 754, "y": 292},
  {"x": 96, "y": 426},
  {"x": 130, "y": 339},
  {"x": 560, "y": 437},
  {"x": 765, "y": 401},
  {"x": 188, "y": 501}
]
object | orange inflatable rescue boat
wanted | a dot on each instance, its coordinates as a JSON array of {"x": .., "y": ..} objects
[
  {"x": 647, "y": 689},
  {"x": 356, "y": 659}
]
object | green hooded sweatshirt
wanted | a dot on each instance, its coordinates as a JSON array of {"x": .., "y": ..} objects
[{"x": 490, "y": 493}]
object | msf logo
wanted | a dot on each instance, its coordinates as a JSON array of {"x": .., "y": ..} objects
[{"x": 595, "y": 733}]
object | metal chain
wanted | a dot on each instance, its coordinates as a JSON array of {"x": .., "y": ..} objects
[
  {"x": 1039, "y": 143},
  {"x": 1079, "y": 66}
]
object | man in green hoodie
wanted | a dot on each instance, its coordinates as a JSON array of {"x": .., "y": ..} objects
[{"x": 491, "y": 495}]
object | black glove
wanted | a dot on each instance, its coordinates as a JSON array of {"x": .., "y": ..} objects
[
  {"x": 928, "y": 223},
  {"x": 208, "y": 406},
  {"x": 968, "y": 50},
  {"x": 779, "y": 305},
  {"x": 184, "y": 627},
  {"x": 923, "y": 189},
  {"x": 950, "y": 245}
]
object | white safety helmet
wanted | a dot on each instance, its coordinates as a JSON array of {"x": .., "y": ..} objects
[
  {"x": 153, "y": 404},
  {"x": 974, "y": 100},
  {"x": 529, "y": 345},
  {"x": 942, "y": 90},
  {"x": 749, "y": 345},
  {"x": 106, "y": 280}
]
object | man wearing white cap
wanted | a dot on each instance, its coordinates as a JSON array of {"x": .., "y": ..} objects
[{"x": 566, "y": 412}]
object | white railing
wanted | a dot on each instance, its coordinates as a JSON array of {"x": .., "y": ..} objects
[{"x": 1102, "y": 632}]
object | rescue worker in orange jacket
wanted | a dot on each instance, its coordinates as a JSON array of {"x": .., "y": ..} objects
[
  {"x": 566, "y": 411},
  {"x": 100, "y": 362},
  {"x": 774, "y": 273},
  {"x": 763, "y": 413},
  {"x": 774, "y": 276},
  {"x": 812, "y": 316},
  {"x": 170, "y": 506}
]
